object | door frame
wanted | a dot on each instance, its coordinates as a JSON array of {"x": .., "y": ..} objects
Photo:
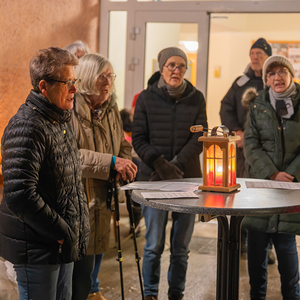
[{"x": 141, "y": 20}]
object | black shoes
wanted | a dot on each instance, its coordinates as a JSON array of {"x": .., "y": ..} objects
[{"x": 175, "y": 297}]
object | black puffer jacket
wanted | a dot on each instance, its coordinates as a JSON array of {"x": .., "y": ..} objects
[
  {"x": 161, "y": 126},
  {"x": 43, "y": 197},
  {"x": 233, "y": 114}
]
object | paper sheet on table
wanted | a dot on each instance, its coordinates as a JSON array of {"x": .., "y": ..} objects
[
  {"x": 271, "y": 184},
  {"x": 162, "y": 186},
  {"x": 168, "y": 195}
]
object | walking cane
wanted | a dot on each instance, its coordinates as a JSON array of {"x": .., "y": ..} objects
[
  {"x": 114, "y": 193},
  {"x": 132, "y": 224}
]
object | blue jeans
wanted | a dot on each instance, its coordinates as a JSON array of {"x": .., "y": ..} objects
[
  {"x": 181, "y": 233},
  {"x": 287, "y": 256},
  {"x": 47, "y": 282},
  {"x": 94, "y": 276}
]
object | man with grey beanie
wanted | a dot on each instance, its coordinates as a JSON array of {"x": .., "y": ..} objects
[{"x": 161, "y": 137}]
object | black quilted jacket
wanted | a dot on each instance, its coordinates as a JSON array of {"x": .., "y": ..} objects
[
  {"x": 43, "y": 197},
  {"x": 161, "y": 126},
  {"x": 233, "y": 114}
]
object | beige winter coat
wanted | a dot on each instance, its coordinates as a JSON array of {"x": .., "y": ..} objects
[{"x": 107, "y": 133}]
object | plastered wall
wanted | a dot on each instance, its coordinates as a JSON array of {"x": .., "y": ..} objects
[{"x": 29, "y": 25}]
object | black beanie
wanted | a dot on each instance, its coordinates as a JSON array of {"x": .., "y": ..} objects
[{"x": 262, "y": 44}]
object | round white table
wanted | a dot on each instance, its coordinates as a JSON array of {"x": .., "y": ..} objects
[{"x": 243, "y": 202}]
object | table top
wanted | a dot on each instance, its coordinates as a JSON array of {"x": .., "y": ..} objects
[{"x": 243, "y": 202}]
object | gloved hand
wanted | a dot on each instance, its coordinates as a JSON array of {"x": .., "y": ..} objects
[
  {"x": 155, "y": 176},
  {"x": 165, "y": 170}
]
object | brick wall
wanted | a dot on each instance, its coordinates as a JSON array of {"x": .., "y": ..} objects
[{"x": 29, "y": 25}]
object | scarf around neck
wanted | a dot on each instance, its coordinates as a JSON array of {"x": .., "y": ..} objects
[
  {"x": 175, "y": 92},
  {"x": 282, "y": 102}
]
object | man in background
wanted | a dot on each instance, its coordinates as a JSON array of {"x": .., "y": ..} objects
[{"x": 232, "y": 113}]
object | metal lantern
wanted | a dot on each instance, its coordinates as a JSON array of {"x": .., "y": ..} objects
[{"x": 219, "y": 159}]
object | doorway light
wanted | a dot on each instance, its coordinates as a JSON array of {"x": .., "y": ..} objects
[{"x": 190, "y": 46}]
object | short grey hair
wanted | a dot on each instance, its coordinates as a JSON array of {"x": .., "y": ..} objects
[
  {"x": 47, "y": 63},
  {"x": 89, "y": 68},
  {"x": 78, "y": 46}
]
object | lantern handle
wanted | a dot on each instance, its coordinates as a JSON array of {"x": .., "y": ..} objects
[
  {"x": 196, "y": 128},
  {"x": 215, "y": 129}
]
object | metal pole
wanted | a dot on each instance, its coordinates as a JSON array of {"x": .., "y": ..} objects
[
  {"x": 117, "y": 214},
  {"x": 132, "y": 224}
]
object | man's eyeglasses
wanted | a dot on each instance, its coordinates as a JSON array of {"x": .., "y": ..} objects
[
  {"x": 68, "y": 83},
  {"x": 172, "y": 67},
  {"x": 282, "y": 73},
  {"x": 111, "y": 76}
]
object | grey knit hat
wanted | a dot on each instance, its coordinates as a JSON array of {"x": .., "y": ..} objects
[
  {"x": 280, "y": 60},
  {"x": 166, "y": 53}
]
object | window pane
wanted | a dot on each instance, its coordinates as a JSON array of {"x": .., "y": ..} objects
[
  {"x": 231, "y": 37},
  {"x": 183, "y": 35},
  {"x": 117, "y": 50}
]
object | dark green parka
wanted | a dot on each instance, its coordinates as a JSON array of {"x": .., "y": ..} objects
[{"x": 271, "y": 145}]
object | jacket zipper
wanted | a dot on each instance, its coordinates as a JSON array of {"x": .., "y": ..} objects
[{"x": 282, "y": 141}]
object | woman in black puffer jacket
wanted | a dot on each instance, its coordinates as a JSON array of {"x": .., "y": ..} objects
[
  {"x": 44, "y": 224},
  {"x": 161, "y": 137}
]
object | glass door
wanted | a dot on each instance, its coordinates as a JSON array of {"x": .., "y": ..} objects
[{"x": 155, "y": 31}]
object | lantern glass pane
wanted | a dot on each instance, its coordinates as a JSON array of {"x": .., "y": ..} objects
[
  {"x": 218, "y": 152},
  {"x": 232, "y": 165},
  {"x": 210, "y": 152},
  {"x": 219, "y": 172},
  {"x": 232, "y": 150},
  {"x": 210, "y": 172}
]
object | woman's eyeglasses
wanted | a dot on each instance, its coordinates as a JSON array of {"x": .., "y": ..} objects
[
  {"x": 172, "y": 67},
  {"x": 281, "y": 73},
  {"x": 68, "y": 83},
  {"x": 111, "y": 77}
]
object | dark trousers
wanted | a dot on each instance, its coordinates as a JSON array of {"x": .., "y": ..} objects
[
  {"x": 82, "y": 282},
  {"x": 287, "y": 256}
]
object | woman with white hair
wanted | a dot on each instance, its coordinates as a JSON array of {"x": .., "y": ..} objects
[
  {"x": 272, "y": 150},
  {"x": 78, "y": 48},
  {"x": 98, "y": 129}
]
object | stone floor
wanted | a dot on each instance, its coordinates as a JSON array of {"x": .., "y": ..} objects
[{"x": 201, "y": 273}]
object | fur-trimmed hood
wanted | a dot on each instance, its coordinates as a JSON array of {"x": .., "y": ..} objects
[{"x": 248, "y": 97}]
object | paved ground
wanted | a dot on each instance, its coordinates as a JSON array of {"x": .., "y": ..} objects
[{"x": 200, "y": 277}]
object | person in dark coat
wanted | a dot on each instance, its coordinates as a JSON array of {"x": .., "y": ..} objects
[
  {"x": 44, "y": 222},
  {"x": 162, "y": 139},
  {"x": 272, "y": 151},
  {"x": 232, "y": 113}
]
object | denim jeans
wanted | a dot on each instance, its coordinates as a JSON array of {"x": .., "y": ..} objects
[
  {"x": 181, "y": 233},
  {"x": 94, "y": 276},
  {"x": 47, "y": 282},
  {"x": 287, "y": 256}
]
